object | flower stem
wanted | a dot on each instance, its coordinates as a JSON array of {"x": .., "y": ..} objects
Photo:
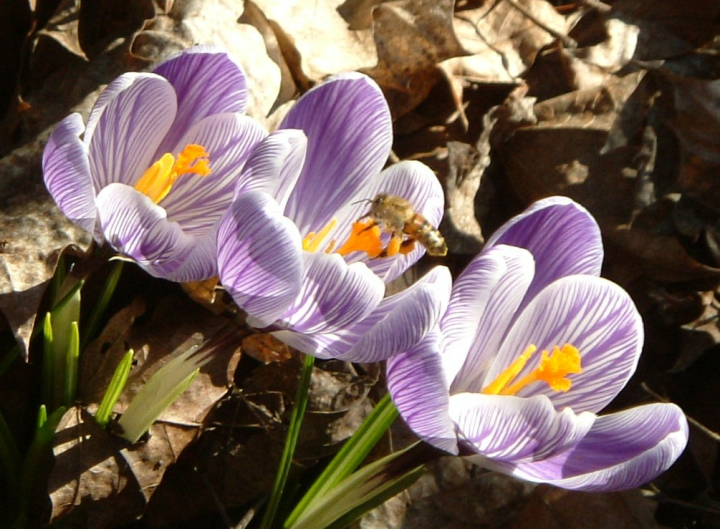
[{"x": 301, "y": 399}]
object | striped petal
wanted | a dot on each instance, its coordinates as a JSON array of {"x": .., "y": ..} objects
[
  {"x": 275, "y": 165},
  {"x": 66, "y": 171},
  {"x": 111, "y": 91},
  {"x": 333, "y": 294},
  {"x": 398, "y": 323},
  {"x": 501, "y": 310},
  {"x": 347, "y": 123},
  {"x": 197, "y": 202},
  {"x": 622, "y": 451},
  {"x": 562, "y": 236},
  {"x": 207, "y": 82},
  {"x": 592, "y": 314},
  {"x": 129, "y": 131},
  {"x": 470, "y": 298},
  {"x": 513, "y": 429},
  {"x": 416, "y": 382},
  {"x": 137, "y": 227},
  {"x": 259, "y": 257}
]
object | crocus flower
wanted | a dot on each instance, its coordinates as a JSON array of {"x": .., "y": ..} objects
[
  {"x": 532, "y": 346},
  {"x": 158, "y": 162},
  {"x": 297, "y": 260}
]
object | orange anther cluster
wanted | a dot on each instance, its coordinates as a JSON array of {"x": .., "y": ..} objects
[
  {"x": 157, "y": 181},
  {"x": 553, "y": 370}
]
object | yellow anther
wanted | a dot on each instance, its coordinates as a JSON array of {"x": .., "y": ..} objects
[
  {"x": 364, "y": 237},
  {"x": 553, "y": 370},
  {"x": 157, "y": 181},
  {"x": 313, "y": 240}
]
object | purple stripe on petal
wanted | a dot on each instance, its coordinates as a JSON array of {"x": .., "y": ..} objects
[
  {"x": 66, "y": 171},
  {"x": 501, "y": 311},
  {"x": 621, "y": 451},
  {"x": 207, "y": 82},
  {"x": 137, "y": 227},
  {"x": 513, "y": 429},
  {"x": 333, "y": 294},
  {"x": 400, "y": 321},
  {"x": 274, "y": 165},
  {"x": 201, "y": 261},
  {"x": 196, "y": 202},
  {"x": 129, "y": 131},
  {"x": 320, "y": 345},
  {"x": 417, "y": 385},
  {"x": 260, "y": 257},
  {"x": 347, "y": 123},
  {"x": 592, "y": 314},
  {"x": 561, "y": 234},
  {"x": 469, "y": 300},
  {"x": 397, "y": 324},
  {"x": 111, "y": 91}
]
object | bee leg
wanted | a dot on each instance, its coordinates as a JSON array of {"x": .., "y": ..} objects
[
  {"x": 407, "y": 246},
  {"x": 393, "y": 246}
]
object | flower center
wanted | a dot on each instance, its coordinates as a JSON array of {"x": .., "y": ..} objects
[
  {"x": 364, "y": 237},
  {"x": 157, "y": 181},
  {"x": 553, "y": 370}
]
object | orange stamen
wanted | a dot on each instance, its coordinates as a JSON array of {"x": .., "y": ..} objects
[
  {"x": 157, "y": 181},
  {"x": 553, "y": 370},
  {"x": 364, "y": 237},
  {"x": 313, "y": 240}
]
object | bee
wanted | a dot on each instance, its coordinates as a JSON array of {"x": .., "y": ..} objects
[{"x": 397, "y": 216}]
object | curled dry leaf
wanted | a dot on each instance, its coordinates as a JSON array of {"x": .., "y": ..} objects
[
  {"x": 412, "y": 37},
  {"x": 321, "y": 37},
  {"x": 502, "y": 41}
]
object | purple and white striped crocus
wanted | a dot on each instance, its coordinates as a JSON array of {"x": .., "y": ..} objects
[
  {"x": 296, "y": 259},
  {"x": 532, "y": 346},
  {"x": 158, "y": 162}
]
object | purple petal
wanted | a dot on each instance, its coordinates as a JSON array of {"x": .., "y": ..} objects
[
  {"x": 275, "y": 165},
  {"x": 197, "y": 202},
  {"x": 207, "y": 82},
  {"x": 417, "y": 184},
  {"x": 398, "y": 323},
  {"x": 347, "y": 123},
  {"x": 201, "y": 261},
  {"x": 469, "y": 300},
  {"x": 111, "y": 91},
  {"x": 137, "y": 227},
  {"x": 592, "y": 314},
  {"x": 333, "y": 294},
  {"x": 260, "y": 257},
  {"x": 402, "y": 320},
  {"x": 513, "y": 429},
  {"x": 501, "y": 311},
  {"x": 416, "y": 382},
  {"x": 622, "y": 451},
  {"x": 66, "y": 171},
  {"x": 129, "y": 131},
  {"x": 561, "y": 234}
]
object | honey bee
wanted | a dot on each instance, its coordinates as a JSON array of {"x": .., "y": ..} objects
[{"x": 397, "y": 216}]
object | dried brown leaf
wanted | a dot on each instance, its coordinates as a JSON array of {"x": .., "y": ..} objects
[
  {"x": 412, "y": 37},
  {"x": 502, "y": 42},
  {"x": 254, "y": 16},
  {"x": 321, "y": 36}
]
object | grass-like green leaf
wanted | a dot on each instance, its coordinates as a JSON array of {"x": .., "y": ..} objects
[{"x": 117, "y": 384}]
